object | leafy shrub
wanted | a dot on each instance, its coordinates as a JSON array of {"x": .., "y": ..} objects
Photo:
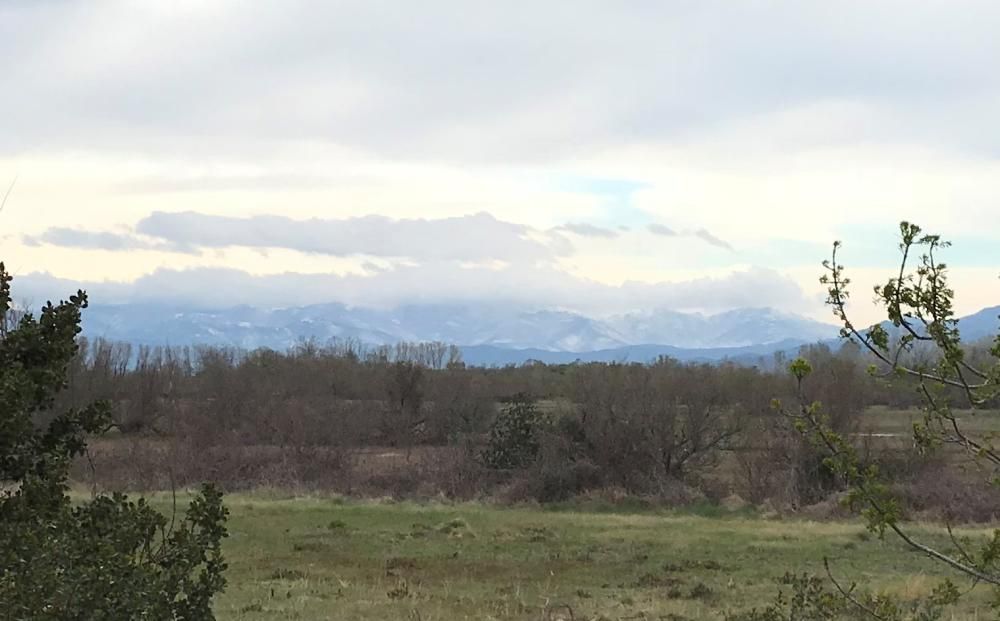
[
  {"x": 112, "y": 557},
  {"x": 514, "y": 437}
]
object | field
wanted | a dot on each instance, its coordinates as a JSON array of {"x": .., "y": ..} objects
[
  {"x": 326, "y": 558},
  {"x": 882, "y": 420}
]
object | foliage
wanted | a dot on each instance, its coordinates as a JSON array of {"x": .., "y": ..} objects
[
  {"x": 809, "y": 601},
  {"x": 514, "y": 437},
  {"x": 919, "y": 307},
  {"x": 111, "y": 557}
]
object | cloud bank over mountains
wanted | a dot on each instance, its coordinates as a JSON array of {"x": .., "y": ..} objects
[
  {"x": 518, "y": 285},
  {"x": 475, "y": 258},
  {"x": 476, "y": 237}
]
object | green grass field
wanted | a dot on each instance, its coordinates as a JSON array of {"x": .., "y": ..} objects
[
  {"x": 880, "y": 419},
  {"x": 323, "y": 558}
]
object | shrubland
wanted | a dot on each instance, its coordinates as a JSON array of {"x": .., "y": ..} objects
[{"x": 413, "y": 421}]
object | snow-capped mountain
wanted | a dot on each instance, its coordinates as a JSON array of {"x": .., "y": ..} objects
[
  {"x": 465, "y": 325},
  {"x": 736, "y": 328},
  {"x": 487, "y": 334}
]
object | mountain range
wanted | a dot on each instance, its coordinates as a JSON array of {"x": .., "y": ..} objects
[{"x": 487, "y": 334}]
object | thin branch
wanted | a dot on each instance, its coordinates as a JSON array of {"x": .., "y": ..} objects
[
  {"x": 876, "y": 506},
  {"x": 848, "y": 594},
  {"x": 958, "y": 546},
  {"x": 971, "y": 445},
  {"x": 173, "y": 500},
  {"x": 944, "y": 558},
  {"x": 840, "y": 310},
  {"x": 971, "y": 369},
  {"x": 93, "y": 473},
  {"x": 10, "y": 188}
]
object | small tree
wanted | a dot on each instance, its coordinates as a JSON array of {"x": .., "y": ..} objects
[
  {"x": 918, "y": 305},
  {"x": 404, "y": 388},
  {"x": 646, "y": 424},
  {"x": 514, "y": 437},
  {"x": 111, "y": 557}
]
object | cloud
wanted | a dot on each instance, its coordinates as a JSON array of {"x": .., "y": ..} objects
[
  {"x": 519, "y": 285},
  {"x": 271, "y": 181},
  {"x": 588, "y": 230},
  {"x": 100, "y": 240},
  {"x": 89, "y": 240},
  {"x": 479, "y": 237},
  {"x": 476, "y": 238},
  {"x": 659, "y": 229},
  {"x": 733, "y": 124},
  {"x": 707, "y": 237},
  {"x": 702, "y": 234},
  {"x": 373, "y": 268},
  {"x": 443, "y": 81}
]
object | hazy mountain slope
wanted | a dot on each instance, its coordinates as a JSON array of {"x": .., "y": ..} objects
[
  {"x": 984, "y": 324},
  {"x": 489, "y": 355},
  {"x": 466, "y": 325},
  {"x": 489, "y": 335},
  {"x": 736, "y": 328}
]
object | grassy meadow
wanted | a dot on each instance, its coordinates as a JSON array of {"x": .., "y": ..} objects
[
  {"x": 326, "y": 558},
  {"x": 880, "y": 419}
]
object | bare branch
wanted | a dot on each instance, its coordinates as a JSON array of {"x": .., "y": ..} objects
[
  {"x": 848, "y": 594},
  {"x": 10, "y": 188}
]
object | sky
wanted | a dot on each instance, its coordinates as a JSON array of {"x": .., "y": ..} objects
[{"x": 600, "y": 157}]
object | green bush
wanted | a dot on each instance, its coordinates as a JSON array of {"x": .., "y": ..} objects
[
  {"x": 111, "y": 557},
  {"x": 514, "y": 437}
]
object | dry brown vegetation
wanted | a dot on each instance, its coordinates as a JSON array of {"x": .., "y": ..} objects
[{"x": 413, "y": 422}]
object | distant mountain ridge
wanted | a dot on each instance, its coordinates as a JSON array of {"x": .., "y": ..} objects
[
  {"x": 980, "y": 325},
  {"x": 489, "y": 355},
  {"x": 742, "y": 327},
  {"x": 460, "y": 324},
  {"x": 488, "y": 335}
]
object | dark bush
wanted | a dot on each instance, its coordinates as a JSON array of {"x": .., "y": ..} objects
[
  {"x": 513, "y": 440},
  {"x": 111, "y": 557}
]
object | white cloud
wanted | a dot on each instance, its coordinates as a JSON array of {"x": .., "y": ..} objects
[
  {"x": 522, "y": 286},
  {"x": 708, "y": 238},
  {"x": 457, "y": 81},
  {"x": 479, "y": 237},
  {"x": 659, "y": 229},
  {"x": 97, "y": 240},
  {"x": 587, "y": 230}
]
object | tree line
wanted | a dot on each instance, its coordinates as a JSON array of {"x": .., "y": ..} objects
[{"x": 414, "y": 420}]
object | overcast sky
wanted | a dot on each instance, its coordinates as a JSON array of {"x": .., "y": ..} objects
[{"x": 597, "y": 156}]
